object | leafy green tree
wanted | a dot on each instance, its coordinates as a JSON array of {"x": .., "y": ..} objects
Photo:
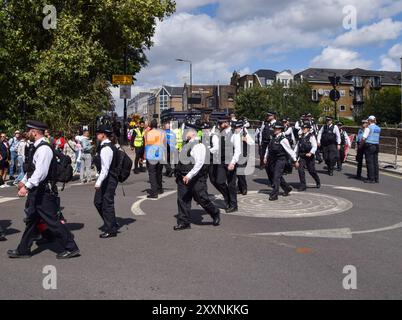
[
  {"x": 252, "y": 103},
  {"x": 61, "y": 75}
]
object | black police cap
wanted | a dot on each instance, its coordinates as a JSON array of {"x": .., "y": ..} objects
[
  {"x": 306, "y": 126},
  {"x": 329, "y": 118},
  {"x": 38, "y": 125},
  {"x": 104, "y": 129},
  {"x": 271, "y": 113},
  {"x": 279, "y": 126}
]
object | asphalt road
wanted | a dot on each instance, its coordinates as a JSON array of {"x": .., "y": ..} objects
[{"x": 250, "y": 256}]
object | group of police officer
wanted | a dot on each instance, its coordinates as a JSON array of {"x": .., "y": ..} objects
[{"x": 218, "y": 153}]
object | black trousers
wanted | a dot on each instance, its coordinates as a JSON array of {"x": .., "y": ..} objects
[
  {"x": 318, "y": 156},
  {"x": 341, "y": 157},
  {"x": 168, "y": 165},
  {"x": 139, "y": 153},
  {"x": 331, "y": 155},
  {"x": 155, "y": 176},
  {"x": 309, "y": 163},
  {"x": 41, "y": 204},
  {"x": 242, "y": 184},
  {"x": 371, "y": 153},
  {"x": 270, "y": 173},
  {"x": 226, "y": 184},
  {"x": 359, "y": 159},
  {"x": 277, "y": 167},
  {"x": 197, "y": 189},
  {"x": 104, "y": 203},
  {"x": 213, "y": 172},
  {"x": 2, "y": 232}
]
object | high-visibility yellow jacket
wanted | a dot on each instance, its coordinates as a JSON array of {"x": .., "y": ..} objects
[
  {"x": 179, "y": 138},
  {"x": 139, "y": 138}
]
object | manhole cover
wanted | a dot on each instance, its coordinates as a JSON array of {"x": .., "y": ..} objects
[{"x": 297, "y": 205}]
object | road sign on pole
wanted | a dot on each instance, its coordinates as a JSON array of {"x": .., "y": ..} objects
[
  {"x": 122, "y": 80},
  {"x": 334, "y": 95},
  {"x": 125, "y": 92}
]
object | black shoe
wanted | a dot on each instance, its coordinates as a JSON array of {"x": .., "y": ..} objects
[
  {"x": 302, "y": 189},
  {"x": 331, "y": 173},
  {"x": 369, "y": 181},
  {"x": 216, "y": 219},
  {"x": 152, "y": 196},
  {"x": 181, "y": 227},
  {"x": 244, "y": 193},
  {"x": 11, "y": 178},
  {"x": 107, "y": 235},
  {"x": 2, "y": 237},
  {"x": 358, "y": 178},
  {"x": 232, "y": 209},
  {"x": 68, "y": 254},
  {"x": 14, "y": 254},
  {"x": 161, "y": 191},
  {"x": 318, "y": 186},
  {"x": 287, "y": 192},
  {"x": 273, "y": 198},
  {"x": 339, "y": 169},
  {"x": 377, "y": 181},
  {"x": 136, "y": 171}
]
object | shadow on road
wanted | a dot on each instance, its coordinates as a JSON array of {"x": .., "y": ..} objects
[{"x": 6, "y": 224}]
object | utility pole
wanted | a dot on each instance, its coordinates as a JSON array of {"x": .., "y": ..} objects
[
  {"x": 191, "y": 80},
  {"x": 125, "y": 141},
  {"x": 400, "y": 125}
]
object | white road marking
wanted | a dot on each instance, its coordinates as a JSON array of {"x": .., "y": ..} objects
[
  {"x": 354, "y": 189},
  {"x": 136, "y": 207},
  {"x": 7, "y": 199},
  {"x": 344, "y": 233}
]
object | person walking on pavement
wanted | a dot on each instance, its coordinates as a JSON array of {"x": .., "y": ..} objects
[
  {"x": 39, "y": 186},
  {"x": 106, "y": 184},
  {"x": 289, "y": 132},
  {"x": 329, "y": 138},
  {"x": 371, "y": 140},
  {"x": 22, "y": 147},
  {"x": 276, "y": 158},
  {"x": 138, "y": 144},
  {"x": 13, "y": 145},
  {"x": 247, "y": 141},
  {"x": 154, "y": 142},
  {"x": 3, "y": 158},
  {"x": 345, "y": 145},
  {"x": 191, "y": 179},
  {"x": 170, "y": 150},
  {"x": 305, "y": 151},
  {"x": 86, "y": 158},
  {"x": 230, "y": 151},
  {"x": 360, "y": 149},
  {"x": 266, "y": 135}
]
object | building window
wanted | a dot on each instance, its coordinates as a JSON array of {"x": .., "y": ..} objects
[
  {"x": 314, "y": 95},
  {"x": 342, "y": 108},
  {"x": 250, "y": 83},
  {"x": 163, "y": 100}
]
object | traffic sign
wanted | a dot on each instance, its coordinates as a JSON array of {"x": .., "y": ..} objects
[
  {"x": 334, "y": 95},
  {"x": 122, "y": 79},
  {"x": 125, "y": 92}
]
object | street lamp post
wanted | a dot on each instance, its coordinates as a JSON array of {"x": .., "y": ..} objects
[
  {"x": 191, "y": 77},
  {"x": 400, "y": 125}
]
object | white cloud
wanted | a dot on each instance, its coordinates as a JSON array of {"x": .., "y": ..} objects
[
  {"x": 340, "y": 58},
  {"x": 391, "y": 60},
  {"x": 186, "y": 5},
  {"x": 384, "y": 30}
]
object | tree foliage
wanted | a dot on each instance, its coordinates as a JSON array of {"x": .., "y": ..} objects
[
  {"x": 61, "y": 75},
  {"x": 253, "y": 103}
]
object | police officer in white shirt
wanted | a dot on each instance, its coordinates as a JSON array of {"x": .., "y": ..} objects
[
  {"x": 106, "y": 184},
  {"x": 191, "y": 178},
  {"x": 276, "y": 157},
  {"x": 39, "y": 186},
  {"x": 305, "y": 150},
  {"x": 329, "y": 138},
  {"x": 230, "y": 151}
]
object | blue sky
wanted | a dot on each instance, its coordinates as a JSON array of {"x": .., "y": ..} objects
[{"x": 221, "y": 36}]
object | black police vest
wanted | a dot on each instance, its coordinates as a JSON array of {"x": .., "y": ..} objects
[
  {"x": 328, "y": 136},
  {"x": 227, "y": 147},
  {"x": 213, "y": 159},
  {"x": 305, "y": 145},
  {"x": 275, "y": 148},
  {"x": 267, "y": 132},
  {"x": 30, "y": 166},
  {"x": 187, "y": 162},
  {"x": 98, "y": 162},
  {"x": 343, "y": 139}
]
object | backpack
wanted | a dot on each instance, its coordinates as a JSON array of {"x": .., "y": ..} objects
[
  {"x": 64, "y": 169},
  {"x": 121, "y": 164}
]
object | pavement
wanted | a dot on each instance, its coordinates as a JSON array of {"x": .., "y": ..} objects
[{"x": 296, "y": 248}]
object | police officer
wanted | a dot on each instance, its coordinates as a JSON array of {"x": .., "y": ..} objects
[
  {"x": 289, "y": 132},
  {"x": 105, "y": 186},
  {"x": 138, "y": 143},
  {"x": 371, "y": 140},
  {"x": 345, "y": 143},
  {"x": 267, "y": 134},
  {"x": 230, "y": 151},
  {"x": 360, "y": 149},
  {"x": 329, "y": 138},
  {"x": 276, "y": 158},
  {"x": 247, "y": 141},
  {"x": 214, "y": 150},
  {"x": 170, "y": 150},
  {"x": 305, "y": 150},
  {"x": 39, "y": 185},
  {"x": 191, "y": 178}
]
